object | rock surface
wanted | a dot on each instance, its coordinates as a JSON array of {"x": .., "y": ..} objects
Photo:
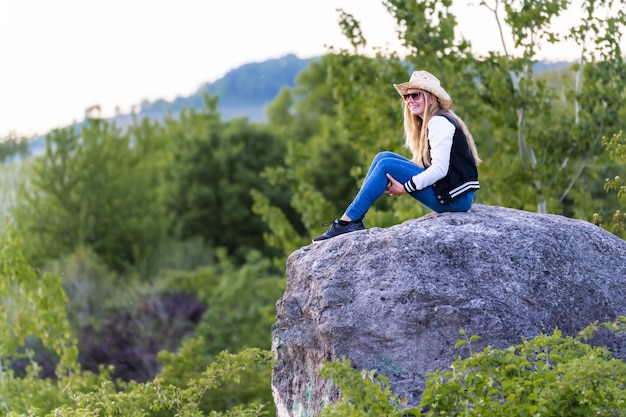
[{"x": 395, "y": 299}]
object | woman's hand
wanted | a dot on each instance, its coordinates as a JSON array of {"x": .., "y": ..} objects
[{"x": 395, "y": 188}]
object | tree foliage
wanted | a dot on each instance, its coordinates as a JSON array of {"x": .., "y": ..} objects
[
  {"x": 97, "y": 187},
  {"x": 13, "y": 146},
  {"x": 240, "y": 300},
  {"x": 97, "y": 395},
  {"x": 616, "y": 145},
  {"x": 9, "y": 179},
  {"x": 547, "y": 375},
  {"x": 218, "y": 165},
  {"x": 556, "y": 141},
  {"x": 190, "y": 383},
  {"x": 33, "y": 307}
]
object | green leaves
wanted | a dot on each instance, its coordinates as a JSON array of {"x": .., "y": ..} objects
[
  {"x": 217, "y": 166},
  {"x": 549, "y": 375},
  {"x": 12, "y": 146},
  {"x": 616, "y": 146},
  {"x": 558, "y": 140},
  {"x": 365, "y": 393},
  {"x": 159, "y": 398},
  {"x": 98, "y": 187},
  {"x": 466, "y": 341},
  {"x": 32, "y": 307}
]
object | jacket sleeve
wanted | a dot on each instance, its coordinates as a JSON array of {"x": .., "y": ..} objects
[{"x": 440, "y": 135}]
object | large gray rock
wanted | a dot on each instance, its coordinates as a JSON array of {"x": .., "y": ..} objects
[{"x": 395, "y": 299}]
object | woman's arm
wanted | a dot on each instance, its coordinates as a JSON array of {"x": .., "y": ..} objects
[{"x": 440, "y": 134}]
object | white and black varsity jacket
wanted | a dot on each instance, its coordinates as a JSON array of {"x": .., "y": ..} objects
[{"x": 461, "y": 175}]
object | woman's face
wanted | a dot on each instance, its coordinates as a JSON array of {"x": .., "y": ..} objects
[{"x": 415, "y": 99}]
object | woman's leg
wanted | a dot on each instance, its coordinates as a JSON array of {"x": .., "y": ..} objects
[
  {"x": 378, "y": 157},
  {"x": 375, "y": 182},
  {"x": 374, "y": 185},
  {"x": 428, "y": 198},
  {"x": 461, "y": 203},
  {"x": 402, "y": 169}
]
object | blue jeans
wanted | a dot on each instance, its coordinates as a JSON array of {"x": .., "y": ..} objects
[{"x": 402, "y": 169}]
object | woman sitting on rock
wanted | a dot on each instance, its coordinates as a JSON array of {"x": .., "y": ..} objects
[{"x": 442, "y": 174}]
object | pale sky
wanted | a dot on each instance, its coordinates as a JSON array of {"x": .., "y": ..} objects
[{"x": 58, "y": 57}]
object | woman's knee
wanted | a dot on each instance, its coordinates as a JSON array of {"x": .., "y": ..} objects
[{"x": 384, "y": 155}]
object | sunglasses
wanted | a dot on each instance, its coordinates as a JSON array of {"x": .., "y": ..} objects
[{"x": 414, "y": 96}]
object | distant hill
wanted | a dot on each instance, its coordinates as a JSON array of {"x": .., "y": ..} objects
[{"x": 243, "y": 92}]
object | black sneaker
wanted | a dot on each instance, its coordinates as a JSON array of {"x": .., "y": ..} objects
[{"x": 339, "y": 227}]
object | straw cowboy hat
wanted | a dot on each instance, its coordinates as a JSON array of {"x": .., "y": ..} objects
[{"x": 424, "y": 80}]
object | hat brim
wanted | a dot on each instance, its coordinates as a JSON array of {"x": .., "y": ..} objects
[{"x": 442, "y": 95}]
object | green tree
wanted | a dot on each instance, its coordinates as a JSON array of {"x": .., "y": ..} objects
[
  {"x": 556, "y": 131},
  {"x": 97, "y": 187},
  {"x": 32, "y": 307},
  {"x": 12, "y": 146},
  {"x": 218, "y": 165},
  {"x": 548, "y": 376},
  {"x": 9, "y": 179},
  {"x": 616, "y": 145}
]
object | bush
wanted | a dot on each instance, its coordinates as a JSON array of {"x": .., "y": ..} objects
[
  {"x": 546, "y": 376},
  {"x": 130, "y": 340},
  {"x": 364, "y": 393}
]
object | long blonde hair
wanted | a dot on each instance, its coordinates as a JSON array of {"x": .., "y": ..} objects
[{"x": 416, "y": 132}]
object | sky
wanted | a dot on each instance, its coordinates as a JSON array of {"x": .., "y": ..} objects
[{"x": 59, "y": 57}]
